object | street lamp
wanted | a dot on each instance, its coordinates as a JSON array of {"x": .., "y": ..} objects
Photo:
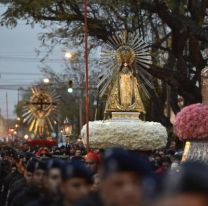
[
  {"x": 67, "y": 127},
  {"x": 70, "y": 90},
  {"x": 70, "y": 86},
  {"x": 46, "y": 80},
  {"x": 95, "y": 103},
  {"x": 67, "y": 130},
  {"x": 68, "y": 55},
  {"x": 26, "y": 136}
]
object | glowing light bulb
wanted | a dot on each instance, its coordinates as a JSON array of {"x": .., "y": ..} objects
[{"x": 68, "y": 55}]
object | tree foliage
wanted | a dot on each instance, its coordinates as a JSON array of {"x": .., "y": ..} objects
[{"x": 177, "y": 30}]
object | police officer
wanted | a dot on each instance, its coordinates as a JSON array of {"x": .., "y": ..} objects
[
  {"x": 36, "y": 189},
  {"x": 76, "y": 183}
]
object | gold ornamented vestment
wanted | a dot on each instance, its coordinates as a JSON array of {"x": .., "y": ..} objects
[{"x": 124, "y": 95}]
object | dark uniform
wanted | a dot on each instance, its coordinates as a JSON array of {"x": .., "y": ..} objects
[
  {"x": 46, "y": 200},
  {"x": 93, "y": 200},
  {"x": 5, "y": 189},
  {"x": 28, "y": 195},
  {"x": 15, "y": 189}
]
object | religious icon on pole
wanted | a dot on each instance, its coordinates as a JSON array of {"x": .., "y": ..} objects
[{"x": 40, "y": 112}]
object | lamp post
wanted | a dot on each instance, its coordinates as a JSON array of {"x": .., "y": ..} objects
[
  {"x": 46, "y": 80},
  {"x": 26, "y": 137},
  {"x": 68, "y": 55},
  {"x": 70, "y": 86},
  {"x": 67, "y": 130}
]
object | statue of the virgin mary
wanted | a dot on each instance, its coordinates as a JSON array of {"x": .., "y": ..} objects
[
  {"x": 124, "y": 95},
  {"x": 127, "y": 52},
  {"x": 124, "y": 61}
]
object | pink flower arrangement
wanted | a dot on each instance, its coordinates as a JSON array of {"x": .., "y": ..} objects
[{"x": 192, "y": 123}]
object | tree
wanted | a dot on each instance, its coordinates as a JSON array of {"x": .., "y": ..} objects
[{"x": 177, "y": 29}]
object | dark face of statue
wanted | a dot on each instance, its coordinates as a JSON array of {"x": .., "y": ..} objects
[
  {"x": 125, "y": 70},
  {"x": 125, "y": 55}
]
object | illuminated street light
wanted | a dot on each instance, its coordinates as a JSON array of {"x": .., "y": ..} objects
[
  {"x": 26, "y": 136},
  {"x": 68, "y": 55},
  {"x": 70, "y": 86},
  {"x": 67, "y": 127},
  {"x": 95, "y": 102},
  {"x": 46, "y": 80},
  {"x": 70, "y": 90},
  {"x": 18, "y": 119},
  {"x": 16, "y": 125},
  {"x": 67, "y": 130}
]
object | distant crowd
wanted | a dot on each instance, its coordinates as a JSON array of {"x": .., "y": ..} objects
[{"x": 70, "y": 176}]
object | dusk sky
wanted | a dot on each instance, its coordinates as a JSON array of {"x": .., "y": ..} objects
[
  {"x": 20, "y": 65},
  {"x": 17, "y": 48}
]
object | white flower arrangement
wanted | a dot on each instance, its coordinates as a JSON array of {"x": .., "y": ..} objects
[{"x": 134, "y": 135}]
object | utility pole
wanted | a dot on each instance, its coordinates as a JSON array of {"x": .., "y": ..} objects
[
  {"x": 168, "y": 101},
  {"x": 18, "y": 95},
  {"x": 7, "y": 112},
  {"x": 80, "y": 113}
]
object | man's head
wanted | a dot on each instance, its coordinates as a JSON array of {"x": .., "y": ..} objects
[
  {"x": 29, "y": 156},
  {"x": 78, "y": 153},
  {"x": 122, "y": 177},
  {"x": 13, "y": 168},
  {"x": 53, "y": 175},
  {"x": 76, "y": 181},
  {"x": 187, "y": 186},
  {"x": 29, "y": 170},
  {"x": 92, "y": 161},
  {"x": 72, "y": 150},
  {"x": 166, "y": 163},
  {"x": 39, "y": 174}
]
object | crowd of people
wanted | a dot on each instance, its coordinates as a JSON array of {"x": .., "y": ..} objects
[{"x": 70, "y": 176}]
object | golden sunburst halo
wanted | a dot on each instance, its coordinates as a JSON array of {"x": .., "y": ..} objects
[
  {"x": 127, "y": 49},
  {"x": 40, "y": 112}
]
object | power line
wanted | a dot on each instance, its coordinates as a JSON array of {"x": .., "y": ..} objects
[
  {"x": 21, "y": 73},
  {"x": 33, "y": 52},
  {"x": 30, "y": 78},
  {"x": 24, "y": 84},
  {"x": 28, "y": 59}
]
